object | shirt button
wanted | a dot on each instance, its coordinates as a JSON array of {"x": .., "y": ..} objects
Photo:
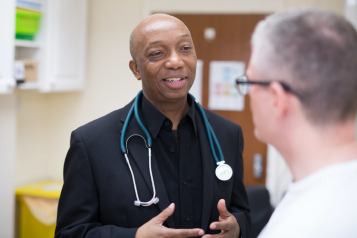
[
  {"x": 167, "y": 123},
  {"x": 184, "y": 182},
  {"x": 187, "y": 218},
  {"x": 172, "y": 150}
]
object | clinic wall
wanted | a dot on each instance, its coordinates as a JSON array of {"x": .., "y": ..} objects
[{"x": 32, "y": 143}]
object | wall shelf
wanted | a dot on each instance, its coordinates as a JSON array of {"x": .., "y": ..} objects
[
  {"x": 29, "y": 44},
  {"x": 29, "y": 86}
]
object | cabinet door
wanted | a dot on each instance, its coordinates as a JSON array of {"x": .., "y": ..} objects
[
  {"x": 7, "y": 35},
  {"x": 65, "y": 45}
]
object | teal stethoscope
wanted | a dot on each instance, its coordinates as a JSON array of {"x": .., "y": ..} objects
[{"x": 223, "y": 171}]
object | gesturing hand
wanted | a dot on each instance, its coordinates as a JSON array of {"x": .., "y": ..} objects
[
  {"x": 227, "y": 223},
  {"x": 154, "y": 227}
]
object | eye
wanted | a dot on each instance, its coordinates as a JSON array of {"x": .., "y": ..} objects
[
  {"x": 157, "y": 53},
  {"x": 186, "y": 48}
]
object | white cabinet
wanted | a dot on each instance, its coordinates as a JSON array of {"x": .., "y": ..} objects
[
  {"x": 7, "y": 34},
  {"x": 59, "y": 47}
]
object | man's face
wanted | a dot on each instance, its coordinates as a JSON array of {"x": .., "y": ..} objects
[
  {"x": 259, "y": 104},
  {"x": 166, "y": 60}
]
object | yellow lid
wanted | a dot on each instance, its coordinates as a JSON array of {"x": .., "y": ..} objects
[{"x": 46, "y": 189}]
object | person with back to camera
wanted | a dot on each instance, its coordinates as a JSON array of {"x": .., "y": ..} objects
[
  {"x": 302, "y": 83},
  {"x": 107, "y": 177}
]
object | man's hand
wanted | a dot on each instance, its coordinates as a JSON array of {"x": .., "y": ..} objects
[
  {"x": 154, "y": 227},
  {"x": 227, "y": 223}
]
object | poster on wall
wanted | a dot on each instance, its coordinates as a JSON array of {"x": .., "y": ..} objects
[
  {"x": 196, "y": 89},
  {"x": 223, "y": 94}
]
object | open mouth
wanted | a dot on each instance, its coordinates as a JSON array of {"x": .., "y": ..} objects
[{"x": 174, "y": 80}]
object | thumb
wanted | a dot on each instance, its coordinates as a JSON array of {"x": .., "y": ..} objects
[
  {"x": 221, "y": 206},
  {"x": 165, "y": 214}
]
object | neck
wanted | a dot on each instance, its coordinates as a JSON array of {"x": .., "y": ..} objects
[
  {"x": 309, "y": 149},
  {"x": 172, "y": 110}
]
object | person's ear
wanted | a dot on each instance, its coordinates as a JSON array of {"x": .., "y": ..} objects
[
  {"x": 279, "y": 99},
  {"x": 134, "y": 68}
]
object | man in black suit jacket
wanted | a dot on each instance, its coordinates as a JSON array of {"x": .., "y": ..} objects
[{"x": 97, "y": 198}]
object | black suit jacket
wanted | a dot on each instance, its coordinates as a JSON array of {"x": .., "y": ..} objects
[{"x": 97, "y": 198}]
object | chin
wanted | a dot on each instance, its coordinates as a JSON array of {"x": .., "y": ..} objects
[
  {"x": 258, "y": 135},
  {"x": 177, "y": 95}
]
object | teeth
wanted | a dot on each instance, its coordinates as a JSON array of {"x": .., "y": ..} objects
[{"x": 173, "y": 79}]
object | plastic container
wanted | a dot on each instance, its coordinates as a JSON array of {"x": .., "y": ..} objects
[
  {"x": 27, "y": 24},
  {"x": 38, "y": 204}
]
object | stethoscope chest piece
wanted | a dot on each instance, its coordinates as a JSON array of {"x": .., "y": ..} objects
[{"x": 223, "y": 171}]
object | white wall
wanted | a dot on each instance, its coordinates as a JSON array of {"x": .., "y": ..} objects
[
  {"x": 32, "y": 142},
  {"x": 350, "y": 11},
  {"x": 7, "y": 164}
]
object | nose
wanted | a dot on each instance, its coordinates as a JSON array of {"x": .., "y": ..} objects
[{"x": 174, "y": 61}]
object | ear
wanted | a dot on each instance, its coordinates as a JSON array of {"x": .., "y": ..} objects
[
  {"x": 134, "y": 68},
  {"x": 279, "y": 99}
]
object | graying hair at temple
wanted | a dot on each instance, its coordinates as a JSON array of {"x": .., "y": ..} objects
[{"x": 315, "y": 52}]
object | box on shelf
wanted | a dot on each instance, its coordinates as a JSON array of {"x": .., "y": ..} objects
[
  {"x": 38, "y": 204},
  {"x": 27, "y": 24},
  {"x": 35, "y": 5},
  {"x": 19, "y": 71},
  {"x": 25, "y": 70}
]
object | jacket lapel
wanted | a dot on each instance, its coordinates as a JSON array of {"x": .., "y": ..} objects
[
  {"x": 139, "y": 153},
  {"x": 208, "y": 172}
]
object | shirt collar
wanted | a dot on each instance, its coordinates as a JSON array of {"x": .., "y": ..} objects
[{"x": 153, "y": 118}]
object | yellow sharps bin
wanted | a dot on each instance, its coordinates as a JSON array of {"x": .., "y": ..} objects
[{"x": 38, "y": 209}]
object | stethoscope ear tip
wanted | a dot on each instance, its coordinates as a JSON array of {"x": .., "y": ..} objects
[{"x": 156, "y": 200}]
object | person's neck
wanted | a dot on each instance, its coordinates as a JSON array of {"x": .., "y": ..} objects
[
  {"x": 172, "y": 110},
  {"x": 310, "y": 149}
]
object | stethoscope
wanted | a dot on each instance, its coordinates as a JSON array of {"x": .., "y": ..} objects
[{"x": 223, "y": 171}]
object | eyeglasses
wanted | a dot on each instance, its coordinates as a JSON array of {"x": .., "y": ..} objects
[{"x": 243, "y": 86}]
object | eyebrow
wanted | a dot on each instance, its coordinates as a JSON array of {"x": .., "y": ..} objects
[
  {"x": 158, "y": 41},
  {"x": 155, "y": 42}
]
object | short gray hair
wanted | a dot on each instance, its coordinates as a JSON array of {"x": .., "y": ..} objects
[{"x": 315, "y": 52}]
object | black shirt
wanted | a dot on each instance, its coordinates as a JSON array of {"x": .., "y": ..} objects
[{"x": 180, "y": 164}]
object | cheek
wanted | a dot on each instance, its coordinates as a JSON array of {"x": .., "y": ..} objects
[
  {"x": 253, "y": 104},
  {"x": 257, "y": 109},
  {"x": 149, "y": 75}
]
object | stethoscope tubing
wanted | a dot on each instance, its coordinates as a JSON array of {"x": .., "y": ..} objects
[{"x": 210, "y": 133}]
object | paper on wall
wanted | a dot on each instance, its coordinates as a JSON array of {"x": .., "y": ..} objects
[
  {"x": 196, "y": 89},
  {"x": 223, "y": 93}
]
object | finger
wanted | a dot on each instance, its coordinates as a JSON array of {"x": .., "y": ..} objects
[
  {"x": 224, "y": 225},
  {"x": 220, "y": 235},
  {"x": 183, "y": 233},
  {"x": 221, "y": 206},
  {"x": 165, "y": 214}
]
